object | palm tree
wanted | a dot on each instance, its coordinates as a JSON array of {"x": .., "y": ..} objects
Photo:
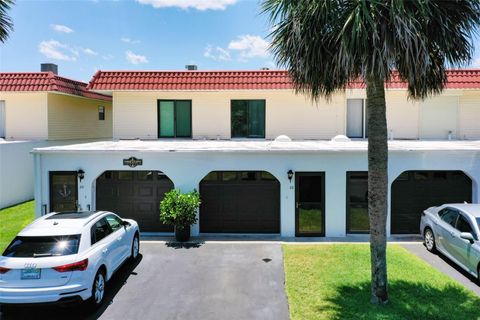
[
  {"x": 327, "y": 44},
  {"x": 6, "y": 24}
]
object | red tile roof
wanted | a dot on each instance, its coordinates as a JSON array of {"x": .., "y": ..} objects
[
  {"x": 46, "y": 81},
  {"x": 237, "y": 80}
]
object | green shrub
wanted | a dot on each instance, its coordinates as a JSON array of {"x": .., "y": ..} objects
[{"x": 179, "y": 209}]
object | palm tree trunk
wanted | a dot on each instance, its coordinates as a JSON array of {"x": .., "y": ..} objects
[{"x": 377, "y": 187}]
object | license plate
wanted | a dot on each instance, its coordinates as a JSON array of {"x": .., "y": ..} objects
[{"x": 29, "y": 274}]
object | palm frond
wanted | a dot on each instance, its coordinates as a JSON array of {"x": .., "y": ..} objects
[{"x": 6, "y": 24}]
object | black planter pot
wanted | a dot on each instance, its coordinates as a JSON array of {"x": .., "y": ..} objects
[{"x": 183, "y": 234}]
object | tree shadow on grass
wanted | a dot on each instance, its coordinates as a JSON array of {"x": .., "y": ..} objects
[{"x": 408, "y": 300}]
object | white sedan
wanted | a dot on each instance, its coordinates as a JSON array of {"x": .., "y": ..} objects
[
  {"x": 66, "y": 256},
  {"x": 454, "y": 230}
]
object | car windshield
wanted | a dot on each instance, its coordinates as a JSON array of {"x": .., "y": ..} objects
[{"x": 37, "y": 247}]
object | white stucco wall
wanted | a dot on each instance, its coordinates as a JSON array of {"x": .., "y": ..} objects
[
  {"x": 16, "y": 171},
  {"x": 186, "y": 169}
]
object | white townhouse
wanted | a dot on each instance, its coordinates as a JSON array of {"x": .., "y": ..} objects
[{"x": 264, "y": 158}]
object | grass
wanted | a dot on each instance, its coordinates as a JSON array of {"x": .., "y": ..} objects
[
  {"x": 14, "y": 219},
  {"x": 333, "y": 282}
]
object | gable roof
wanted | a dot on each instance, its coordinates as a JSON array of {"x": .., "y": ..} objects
[
  {"x": 46, "y": 81},
  {"x": 238, "y": 80}
]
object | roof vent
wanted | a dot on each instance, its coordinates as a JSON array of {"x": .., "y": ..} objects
[
  {"x": 49, "y": 67},
  {"x": 265, "y": 68},
  {"x": 341, "y": 138},
  {"x": 283, "y": 138},
  {"x": 191, "y": 67}
]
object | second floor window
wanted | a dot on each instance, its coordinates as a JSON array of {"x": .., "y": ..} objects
[
  {"x": 357, "y": 118},
  {"x": 101, "y": 113},
  {"x": 248, "y": 118},
  {"x": 174, "y": 118}
]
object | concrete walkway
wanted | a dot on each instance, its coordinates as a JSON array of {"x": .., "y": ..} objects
[{"x": 443, "y": 264}]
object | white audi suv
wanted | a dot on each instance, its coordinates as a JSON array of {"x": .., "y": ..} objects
[{"x": 66, "y": 256}]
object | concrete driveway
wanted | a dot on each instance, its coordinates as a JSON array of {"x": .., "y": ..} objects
[
  {"x": 205, "y": 281},
  {"x": 443, "y": 264}
]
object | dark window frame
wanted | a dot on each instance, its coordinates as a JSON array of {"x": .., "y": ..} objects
[
  {"x": 347, "y": 227},
  {"x": 174, "y": 117},
  {"x": 101, "y": 113},
  {"x": 321, "y": 174},
  {"x": 249, "y": 136}
]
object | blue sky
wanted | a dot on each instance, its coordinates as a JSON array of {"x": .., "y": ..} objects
[{"x": 82, "y": 36}]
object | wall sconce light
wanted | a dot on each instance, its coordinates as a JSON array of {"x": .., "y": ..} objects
[
  {"x": 290, "y": 175},
  {"x": 80, "y": 174}
]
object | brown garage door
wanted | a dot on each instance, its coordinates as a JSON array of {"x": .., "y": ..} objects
[
  {"x": 415, "y": 191},
  {"x": 240, "y": 202},
  {"x": 135, "y": 195}
]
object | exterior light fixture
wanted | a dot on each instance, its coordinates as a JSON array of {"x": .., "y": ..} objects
[
  {"x": 290, "y": 175},
  {"x": 80, "y": 174}
]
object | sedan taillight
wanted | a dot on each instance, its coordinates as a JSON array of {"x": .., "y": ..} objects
[
  {"x": 76, "y": 266},
  {"x": 4, "y": 270}
]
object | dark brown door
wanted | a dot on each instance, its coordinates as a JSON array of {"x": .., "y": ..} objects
[
  {"x": 310, "y": 204},
  {"x": 240, "y": 202},
  {"x": 134, "y": 195},
  {"x": 63, "y": 191},
  {"x": 415, "y": 191}
]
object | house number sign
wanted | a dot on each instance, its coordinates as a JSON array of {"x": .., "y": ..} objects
[{"x": 132, "y": 162}]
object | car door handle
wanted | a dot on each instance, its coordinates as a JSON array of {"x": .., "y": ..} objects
[
  {"x": 119, "y": 239},
  {"x": 452, "y": 234},
  {"x": 104, "y": 250}
]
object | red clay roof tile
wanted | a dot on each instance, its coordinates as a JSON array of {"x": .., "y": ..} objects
[
  {"x": 46, "y": 81},
  {"x": 238, "y": 80}
]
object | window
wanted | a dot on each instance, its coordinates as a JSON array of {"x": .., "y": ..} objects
[
  {"x": 357, "y": 118},
  {"x": 357, "y": 202},
  {"x": 114, "y": 222},
  {"x": 100, "y": 230},
  {"x": 37, "y": 247},
  {"x": 248, "y": 118},
  {"x": 174, "y": 118},
  {"x": 101, "y": 113},
  {"x": 463, "y": 225},
  {"x": 449, "y": 216}
]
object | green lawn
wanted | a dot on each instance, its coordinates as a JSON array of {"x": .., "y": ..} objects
[
  {"x": 14, "y": 219},
  {"x": 333, "y": 282}
]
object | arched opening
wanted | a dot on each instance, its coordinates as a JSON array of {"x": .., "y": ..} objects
[
  {"x": 134, "y": 195},
  {"x": 414, "y": 191},
  {"x": 240, "y": 202}
]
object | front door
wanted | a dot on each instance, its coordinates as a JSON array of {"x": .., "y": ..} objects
[
  {"x": 63, "y": 191},
  {"x": 310, "y": 204}
]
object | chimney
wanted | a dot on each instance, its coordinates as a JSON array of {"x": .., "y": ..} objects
[
  {"x": 46, "y": 67},
  {"x": 191, "y": 67}
]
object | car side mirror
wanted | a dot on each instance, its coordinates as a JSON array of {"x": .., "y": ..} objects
[
  {"x": 126, "y": 224},
  {"x": 467, "y": 236}
]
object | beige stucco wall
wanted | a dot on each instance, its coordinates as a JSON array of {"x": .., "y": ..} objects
[
  {"x": 26, "y": 115},
  {"x": 135, "y": 114},
  {"x": 72, "y": 117}
]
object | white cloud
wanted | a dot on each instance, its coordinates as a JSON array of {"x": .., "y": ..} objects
[
  {"x": 56, "y": 50},
  {"x": 186, "y": 4},
  {"x": 61, "y": 28},
  {"x": 89, "y": 52},
  {"x": 128, "y": 40},
  {"x": 135, "y": 58},
  {"x": 216, "y": 53},
  {"x": 249, "y": 46},
  {"x": 476, "y": 62}
]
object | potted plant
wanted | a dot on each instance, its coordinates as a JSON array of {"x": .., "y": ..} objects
[{"x": 180, "y": 210}]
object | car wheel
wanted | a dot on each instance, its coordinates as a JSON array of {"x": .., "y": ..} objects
[
  {"x": 135, "y": 247},
  {"x": 98, "y": 288},
  {"x": 429, "y": 240}
]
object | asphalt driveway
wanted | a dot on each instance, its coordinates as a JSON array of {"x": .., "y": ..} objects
[
  {"x": 443, "y": 264},
  {"x": 205, "y": 281}
]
